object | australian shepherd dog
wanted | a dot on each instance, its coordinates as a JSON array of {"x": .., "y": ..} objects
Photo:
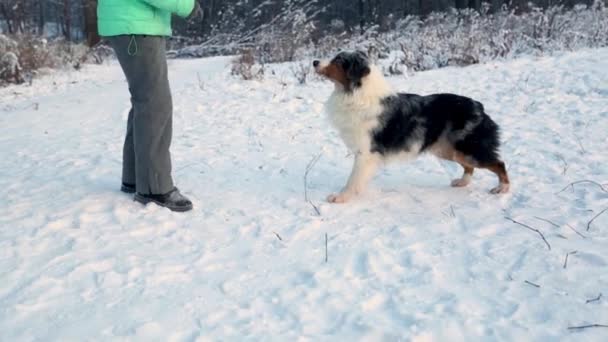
[{"x": 378, "y": 124}]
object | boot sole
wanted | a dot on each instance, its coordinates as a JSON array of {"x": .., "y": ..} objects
[
  {"x": 145, "y": 200},
  {"x": 127, "y": 190}
]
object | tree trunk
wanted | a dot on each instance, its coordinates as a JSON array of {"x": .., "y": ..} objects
[
  {"x": 90, "y": 22},
  {"x": 475, "y": 4},
  {"x": 41, "y": 17},
  {"x": 520, "y": 6},
  {"x": 7, "y": 17},
  {"x": 425, "y": 7},
  {"x": 208, "y": 16},
  {"x": 361, "y": 16},
  {"x": 67, "y": 20},
  {"x": 461, "y": 4}
]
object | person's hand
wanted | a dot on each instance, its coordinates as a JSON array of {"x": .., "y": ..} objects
[{"x": 197, "y": 12}]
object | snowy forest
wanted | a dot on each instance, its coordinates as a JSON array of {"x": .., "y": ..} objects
[
  {"x": 409, "y": 35},
  {"x": 75, "y": 19}
]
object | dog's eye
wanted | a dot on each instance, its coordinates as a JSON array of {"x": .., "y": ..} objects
[{"x": 342, "y": 62}]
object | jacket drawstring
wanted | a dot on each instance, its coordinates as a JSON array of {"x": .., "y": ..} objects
[{"x": 132, "y": 49}]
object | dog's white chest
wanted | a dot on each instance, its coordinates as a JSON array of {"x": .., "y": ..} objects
[
  {"x": 356, "y": 114},
  {"x": 354, "y": 122}
]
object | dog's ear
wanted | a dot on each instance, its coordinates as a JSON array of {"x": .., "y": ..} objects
[
  {"x": 361, "y": 54},
  {"x": 359, "y": 67}
]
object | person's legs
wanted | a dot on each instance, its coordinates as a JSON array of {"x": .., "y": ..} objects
[
  {"x": 149, "y": 131},
  {"x": 146, "y": 156},
  {"x": 128, "y": 155}
]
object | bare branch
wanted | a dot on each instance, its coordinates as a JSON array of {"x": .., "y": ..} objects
[
  {"x": 566, "y": 166},
  {"x": 550, "y": 222},
  {"x": 530, "y": 283},
  {"x": 201, "y": 83},
  {"x": 309, "y": 167},
  {"x": 532, "y": 229},
  {"x": 576, "y": 231},
  {"x": 588, "y": 326},
  {"x": 582, "y": 181},
  {"x": 326, "y": 254},
  {"x": 580, "y": 144},
  {"x": 597, "y": 299},
  {"x": 593, "y": 219},
  {"x": 451, "y": 213},
  {"x": 567, "y": 255}
]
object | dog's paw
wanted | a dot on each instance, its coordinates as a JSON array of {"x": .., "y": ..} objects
[
  {"x": 338, "y": 198},
  {"x": 461, "y": 182},
  {"x": 502, "y": 188}
]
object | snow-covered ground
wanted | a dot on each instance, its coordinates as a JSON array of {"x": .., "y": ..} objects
[{"x": 413, "y": 259}]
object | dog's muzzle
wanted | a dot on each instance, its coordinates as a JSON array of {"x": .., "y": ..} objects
[{"x": 318, "y": 66}]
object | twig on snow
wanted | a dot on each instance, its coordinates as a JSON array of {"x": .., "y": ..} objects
[
  {"x": 593, "y": 219},
  {"x": 576, "y": 231},
  {"x": 566, "y": 166},
  {"x": 597, "y": 299},
  {"x": 309, "y": 167},
  {"x": 326, "y": 255},
  {"x": 580, "y": 144},
  {"x": 588, "y": 326},
  {"x": 550, "y": 222},
  {"x": 582, "y": 181},
  {"x": 451, "y": 213},
  {"x": 278, "y": 236},
  {"x": 532, "y": 229},
  {"x": 201, "y": 83},
  {"x": 568, "y": 255},
  {"x": 530, "y": 283}
]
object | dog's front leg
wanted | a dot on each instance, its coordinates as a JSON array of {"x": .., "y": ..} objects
[{"x": 364, "y": 168}]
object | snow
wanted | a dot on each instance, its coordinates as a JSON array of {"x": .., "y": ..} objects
[{"x": 413, "y": 259}]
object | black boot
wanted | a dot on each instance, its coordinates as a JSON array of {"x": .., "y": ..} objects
[
  {"x": 173, "y": 200},
  {"x": 128, "y": 188}
]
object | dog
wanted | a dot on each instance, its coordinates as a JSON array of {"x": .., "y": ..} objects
[{"x": 378, "y": 124}]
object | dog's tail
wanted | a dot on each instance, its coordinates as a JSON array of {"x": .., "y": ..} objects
[{"x": 482, "y": 143}]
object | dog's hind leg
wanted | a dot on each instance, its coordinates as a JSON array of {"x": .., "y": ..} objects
[
  {"x": 364, "y": 168},
  {"x": 466, "y": 176},
  {"x": 480, "y": 147},
  {"x": 499, "y": 169},
  {"x": 447, "y": 152}
]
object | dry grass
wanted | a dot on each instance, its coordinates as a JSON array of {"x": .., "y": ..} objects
[
  {"x": 246, "y": 67},
  {"x": 22, "y": 57}
]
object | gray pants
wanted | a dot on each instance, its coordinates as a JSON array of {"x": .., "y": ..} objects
[{"x": 146, "y": 156}]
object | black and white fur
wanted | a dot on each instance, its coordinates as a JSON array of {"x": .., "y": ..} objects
[{"x": 378, "y": 124}]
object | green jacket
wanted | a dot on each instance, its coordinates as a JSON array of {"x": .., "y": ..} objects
[{"x": 149, "y": 17}]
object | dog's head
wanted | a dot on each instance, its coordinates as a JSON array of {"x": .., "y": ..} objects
[{"x": 347, "y": 70}]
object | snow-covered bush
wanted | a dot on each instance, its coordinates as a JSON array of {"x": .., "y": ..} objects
[
  {"x": 10, "y": 70},
  {"x": 246, "y": 67},
  {"x": 21, "y": 57},
  {"x": 301, "y": 71},
  {"x": 6, "y": 43},
  {"x": 36, "y": 53},
  {"x": 468, "y": 37},
  {"x": 280, "y": 38},
  {"x": 452, "y": 38}
]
